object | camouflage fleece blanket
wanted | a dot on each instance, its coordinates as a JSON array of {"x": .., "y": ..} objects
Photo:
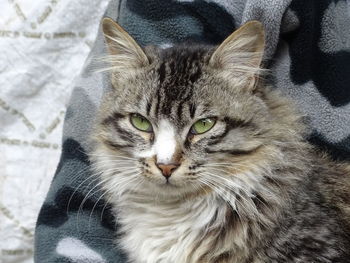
[{"x": 308, "y": 52}]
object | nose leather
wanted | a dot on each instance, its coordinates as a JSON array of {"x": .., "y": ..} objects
[{"x": 167, "y": 169}]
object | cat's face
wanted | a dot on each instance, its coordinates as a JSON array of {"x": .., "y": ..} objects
[{"x": 177, "y": 119}]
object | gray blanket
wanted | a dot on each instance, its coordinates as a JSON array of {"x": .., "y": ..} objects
[{"x": 308, "y": 52}]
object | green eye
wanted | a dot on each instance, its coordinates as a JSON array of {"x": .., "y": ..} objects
[
  {"x": 141, "y": 123},
  {"x": 202, "y": 126}
]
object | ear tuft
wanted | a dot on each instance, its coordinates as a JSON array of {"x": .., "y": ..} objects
[
  {"x": 124, "y": 52},
  {"x": 241, "y": 53}
]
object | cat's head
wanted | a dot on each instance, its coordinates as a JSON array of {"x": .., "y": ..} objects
[{"x": 185, "y": 119}]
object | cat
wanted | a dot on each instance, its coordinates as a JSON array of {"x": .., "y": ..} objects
[{"x": 202, "y": 161}]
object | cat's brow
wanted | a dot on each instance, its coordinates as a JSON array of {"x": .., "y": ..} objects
[
  {"x": 231, "y": 123},
  {"x": 115, "y": 117}
]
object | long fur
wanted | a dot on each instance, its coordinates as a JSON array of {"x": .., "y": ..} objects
[{"x": 251, "y": 189}]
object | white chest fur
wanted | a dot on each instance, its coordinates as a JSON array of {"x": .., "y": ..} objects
[{"x": 168, "y": 233}]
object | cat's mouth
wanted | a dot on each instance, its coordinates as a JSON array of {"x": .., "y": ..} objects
[
  {"x": 157, "y": 180},
  {"x": 167, "y": 183}
]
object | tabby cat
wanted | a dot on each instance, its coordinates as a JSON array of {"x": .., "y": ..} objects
[{"x": 203, "y": 162}]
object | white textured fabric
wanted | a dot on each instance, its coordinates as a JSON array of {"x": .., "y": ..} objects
[{"x": 43, "y": 47}]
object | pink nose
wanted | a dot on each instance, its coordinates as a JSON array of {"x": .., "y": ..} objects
[{"x": 167, "y": 169}]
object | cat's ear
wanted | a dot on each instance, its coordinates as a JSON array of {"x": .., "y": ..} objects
[
  {"x": 240, "y": 55},
  {"x": 123, "y": 49}
]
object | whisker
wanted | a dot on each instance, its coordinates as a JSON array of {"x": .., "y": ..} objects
[
  {"x": 101, "y": 196},
  {"x": 249, "y": 205},
  {"x": 103, "y": 181},
  {"x": 90, "y": 177},
  {"x": 227, "y": 182},
  {"x": 228, "y": 189},
  {"x": 222, "y": 194},
  {"x": 114, "y": 156},
  {"x": 87, "y": 196}
]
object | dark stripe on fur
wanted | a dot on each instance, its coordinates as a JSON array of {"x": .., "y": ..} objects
[
  {"x": 233, "y": 152},
  {"x": 231, "y": 124},
  {"x": 161, "y": 72},
  {"x": 259, "y": 201},
  {"x": 218, "y": 138},
  {"x": 192, "y": 110},
  {"x": 157, "y": 102},
  {"x": 194, "y": 77},
  {"x": 117, "y": 146},
  {"x": 149, "y": 106},
  {"x": 177, "y": 91},
  {"x": 115, "y": 117},
  {"x": 235, "y": 123},
  {"x": 179, "y": 111},
  {"x": 123, "y": 134}
]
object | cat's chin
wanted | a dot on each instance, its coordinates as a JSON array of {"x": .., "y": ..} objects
[{"x": 169, "y": 190}]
